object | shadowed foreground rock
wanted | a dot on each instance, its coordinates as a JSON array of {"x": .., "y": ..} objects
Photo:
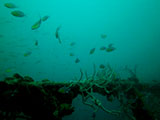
[{"x": 23, "y": 98}]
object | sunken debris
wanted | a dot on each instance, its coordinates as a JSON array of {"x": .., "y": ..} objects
[{"x": 24, "y": 98}]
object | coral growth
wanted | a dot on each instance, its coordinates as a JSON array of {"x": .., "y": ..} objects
[{"x": 22, "y": 97}]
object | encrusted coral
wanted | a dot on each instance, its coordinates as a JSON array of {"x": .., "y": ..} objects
[{"x": 22, "y": 97}]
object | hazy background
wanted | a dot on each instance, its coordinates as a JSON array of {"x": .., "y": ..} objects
[{"x": 133, "y": 26}]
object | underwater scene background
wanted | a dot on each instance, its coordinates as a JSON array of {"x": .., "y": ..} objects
[{"x": 54, "y": 39}]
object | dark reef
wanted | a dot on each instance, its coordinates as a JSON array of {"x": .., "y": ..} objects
[{"x": 24, "y": 98}]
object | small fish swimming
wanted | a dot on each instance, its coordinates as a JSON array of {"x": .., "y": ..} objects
[
  {"x": 27, "y": 53},
  {"x": 101, "y": 66},
  {"x": 72, "y": 43},
  {"x": 71, "y": 54},
  {"x": 45, "y": 18},
  {"x": 92, "y": 50},
  {"x": 103, "y": 36},
  {"x": 36, "y": 43},
  {"x": 10, "y": 5},
  {"x": 110, "y": 48},
  {"x": 64, "y": 90},
  {"x": 77, "y": 60},
  {"x": 8, "y": 70},
  {"x": 102, "y": 48},
  {"x": 17, "y": 13},
  {"x": 57, "y": 34},
  {"x": 110, "y": 45},
  {"x": 36, "y": 25}
]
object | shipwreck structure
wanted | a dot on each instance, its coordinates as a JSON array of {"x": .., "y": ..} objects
[{"x": 26, "y": 99}]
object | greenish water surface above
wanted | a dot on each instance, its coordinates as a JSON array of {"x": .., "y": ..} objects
[{"x": 54, "y": 39}]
